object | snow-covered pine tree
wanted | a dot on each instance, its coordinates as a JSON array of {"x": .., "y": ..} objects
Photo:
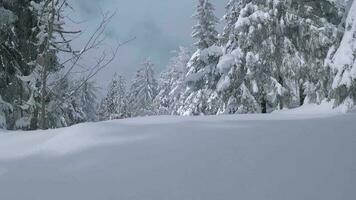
[
  {"x": 313, "y": 27},
  {"x": 64, "y": 112},
  {"x": 247, "y": 70},
  {"x": 344, "y": 64},
  {"x": 70, "y": 105},
  {"x": 267, "y": 55},
  {"x": 8, "y": 66},
  {"x": 204, "y": 31},
  {"x": 231, "y": 16},
  {"x": 172, "y": 83},
  {"x": 115, "y": 104},
  {"x": 201, "y": 78},
  {"x": 143, "y": 91},
  {"x": 16, "y": 50},
  {"x": 86, "y": 99}
]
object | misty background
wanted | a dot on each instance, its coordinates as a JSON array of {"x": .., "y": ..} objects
[{"x": 160, "y": 27}]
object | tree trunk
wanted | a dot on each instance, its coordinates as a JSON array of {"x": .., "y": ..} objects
[
  {"x": 280, "y": 97},
  {"x": 43, "y": 98},
  {"x": 34, "y": 120},
  {"x": 301, "y": 95},
  {"x": 46, "y": 62},
  {"x": 279, "y": 55},
  {"x": 264, "y": 105}
]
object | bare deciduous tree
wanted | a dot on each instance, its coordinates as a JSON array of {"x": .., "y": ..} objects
[{"x": 53, "y": 39}]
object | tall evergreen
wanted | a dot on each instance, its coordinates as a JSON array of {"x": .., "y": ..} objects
[
  {"x": 172, "y": 83},
  {"x": 204, "y": 31},
  {"x": 317, "y": 24},
  {"x": 143, "y": 91},
  {"x": 201, "y": 77},
  {"x": 274, "y": 54},
  {"x": 86, "y": 98},
  {"x": 16, "y": 52},
  {"x": 344, "y": 64},
  {"x": 231, "y": 16},
  {"x": 115, "y": 104}
]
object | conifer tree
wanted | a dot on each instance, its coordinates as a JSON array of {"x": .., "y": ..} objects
[
  {"x": 143, "y": 91},
  {"x": 268, "y": 54},
  {"x": 16, "y": 51},
  {"x": 204, "y": 31},
  {"x": 87, "y": 100},
  {"x": 115, "y": 104},
  {"x": 344, "y": 64},
  {"x": 172, "y": 83},
  {"x": 202, "y": 76},
  {"x": 231, "y": 16}
]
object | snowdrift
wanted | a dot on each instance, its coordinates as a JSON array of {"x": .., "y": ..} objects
[{"x": 285, "y": 155}]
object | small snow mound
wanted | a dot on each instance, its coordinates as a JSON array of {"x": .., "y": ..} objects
[
  {"x": 348, "y": 106},
  {"x": 325, "y": 108},
  {"x": 65, "y": 141}
]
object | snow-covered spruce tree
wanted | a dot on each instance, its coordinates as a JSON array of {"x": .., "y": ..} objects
[
  {"x": 267, "y": 62},
  {"x": 71, "y": 105},
  {"x": 143, "y": 91},
  {"x": 27, "y": 50},
  {"x": 199, "y": 96},
  {"x": 86, "y": 99},
  {"x": 172, "y": 84},
  {"x": 8, "y": 66},
  {"x": 344, "y": 64},
  {"x": 313, "y": 27},
  {"x": 247, "y": 83},
  {"x": 231, "y": 16},
  {"x": 115, "y": 104},
  {"x": 16, "y": 50},
  {"x": 63, "y": 111},
  {"x": 204, "y": 31}
]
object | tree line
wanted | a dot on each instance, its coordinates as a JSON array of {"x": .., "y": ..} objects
[{"x": 271, "y": 55}]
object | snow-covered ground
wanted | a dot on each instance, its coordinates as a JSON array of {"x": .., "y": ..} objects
[{"x": 307, "y": 153}]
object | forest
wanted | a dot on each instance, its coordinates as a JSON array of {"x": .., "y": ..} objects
[
  {"x": 271, "y": 55},
  {"x": 256, "y": 102}
]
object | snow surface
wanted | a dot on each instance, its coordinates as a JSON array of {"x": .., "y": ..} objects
[{"x": 307, "y": 153}]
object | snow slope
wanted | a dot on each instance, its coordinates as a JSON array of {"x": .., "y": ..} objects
[{"x": 289, "y": 155}]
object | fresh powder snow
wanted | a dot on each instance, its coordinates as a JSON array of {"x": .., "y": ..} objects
[{"x": 307, "y": 153}]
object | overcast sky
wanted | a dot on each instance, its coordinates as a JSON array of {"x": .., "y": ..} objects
[{"x": 161, "y": 26}]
